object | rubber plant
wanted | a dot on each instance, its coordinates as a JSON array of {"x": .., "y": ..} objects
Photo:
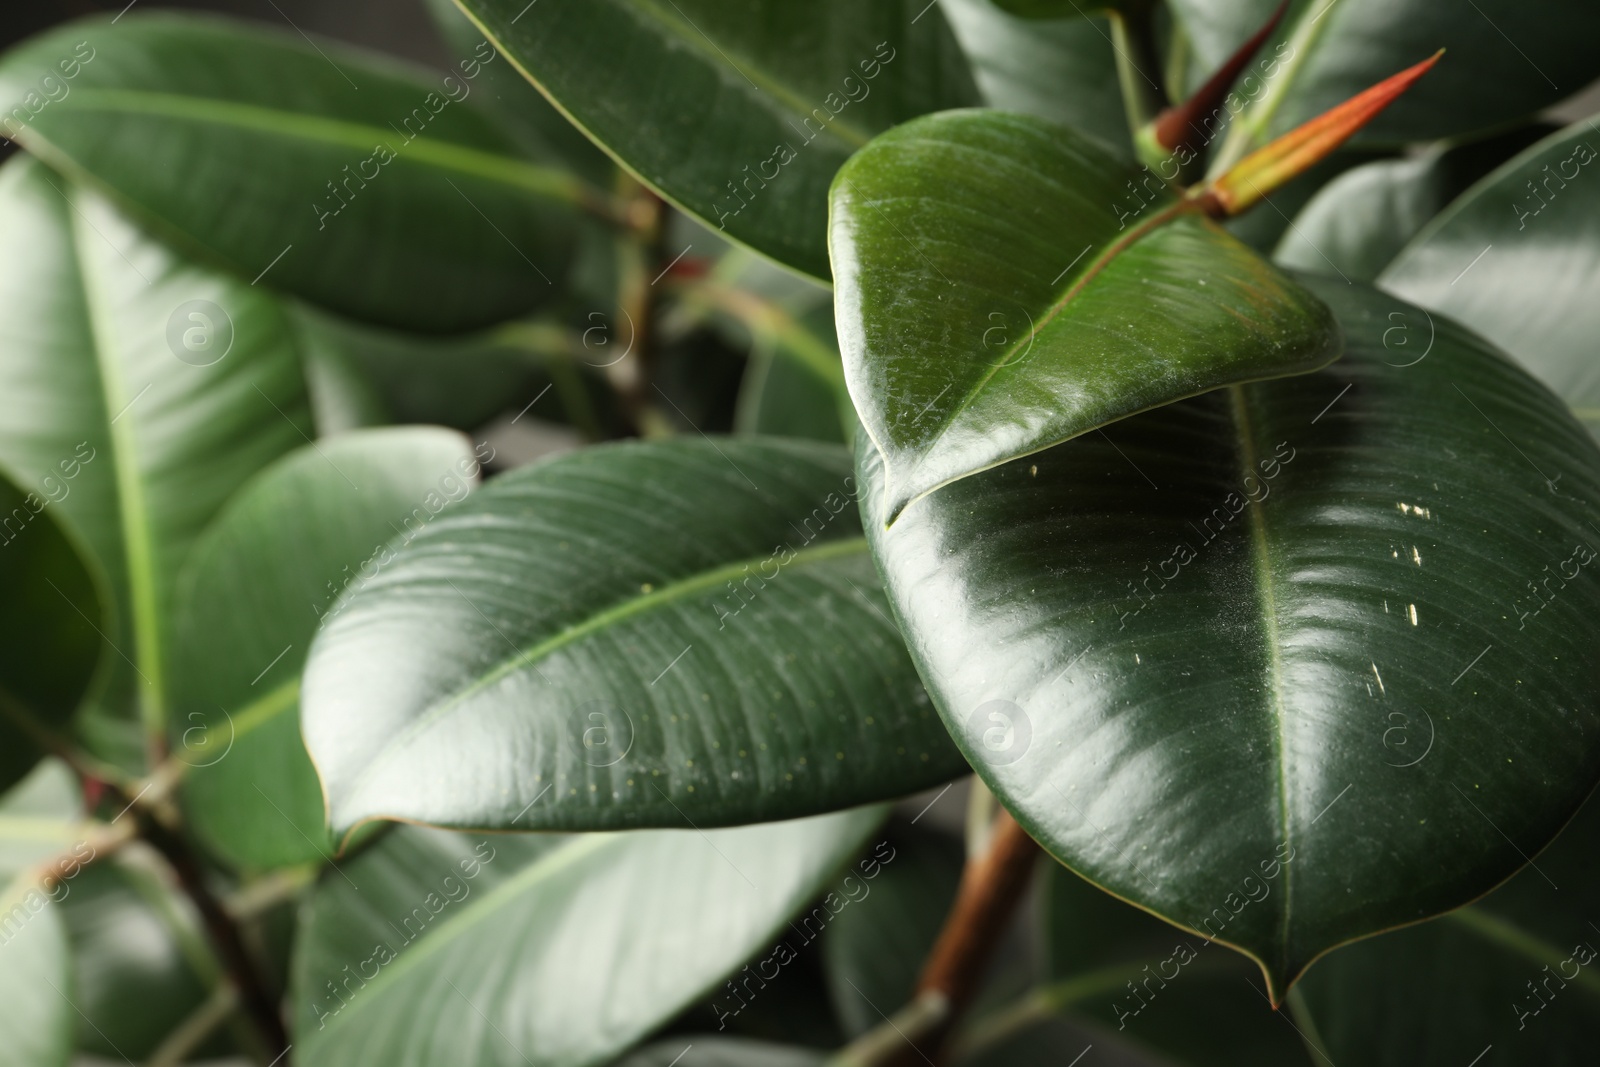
[{"x": 1172, "y": 422}]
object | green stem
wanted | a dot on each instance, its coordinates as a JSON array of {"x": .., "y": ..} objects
[
  {"x": 1133, "y": 39},
  {"x": 1249, "y": 130},
  {"x": 190, "y": 1034}
]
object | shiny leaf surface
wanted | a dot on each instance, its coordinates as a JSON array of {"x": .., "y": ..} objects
[
  {"x": 1510, "y": 980},
  {"x": 483, "y": 951},
  {"x": 356, "y": 182},
  {"x": 634, "y": 635},
  {"x": 1517, "y": 258},
  {"x": 1285, "y": 635},
  {"x": 290, "y": 541},
  {"x": 1001, "y": 288},
  {"x": 141, "y": 391},
  {"x": 741, "y": 116}
]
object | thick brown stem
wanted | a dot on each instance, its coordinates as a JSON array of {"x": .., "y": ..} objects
[
  {"x": 991, "y": 888},
  {"x": 256, "y": 999}
]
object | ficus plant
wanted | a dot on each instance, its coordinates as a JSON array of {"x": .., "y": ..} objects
[{"x": 1166, "y": 428}]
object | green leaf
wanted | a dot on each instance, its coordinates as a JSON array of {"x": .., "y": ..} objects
[
  {"x": 740, "y": 116},
  {"x": 1002, "y": 288},
  {"x": 632, "y": 635},
  {"x": 891, "y": 913},
  {"x": 1511, "y": 980},
  {"x": 146, "y": 389},
  {"x": 780, "y": 397},
  {"x": 541, "y": 128},
  {"x": 48, "y": 651},
  {"x": 1063, "y": 70},
  {"x": 1285, "y": 632},
  {"x": 259, "y": 582},
  {"x": 1357, "y": 223},
  {"x": 1517, "y": 258},
  {"x": 434, "y": 947},
  {"x": 40, "y": 817},
  {"x": 351, "y": 180},
  {"x": 35, "y": 980},
  {"x": 1503, "y": 60},
  {"x": 140, "y": 966},
  {"x": 699, "y": 1050},
  {"x": 1058, "y": 9},
  {"x": 1163, "y": 991}
]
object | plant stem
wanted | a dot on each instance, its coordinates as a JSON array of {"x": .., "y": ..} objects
[
  {"x": 639, "y": 261},
  {"x": 992, "y": 885},
  {"x": 181, "y": 1043},
  {"x": 257, "y": 1001},
  {"x": 1133, "y": 39}
]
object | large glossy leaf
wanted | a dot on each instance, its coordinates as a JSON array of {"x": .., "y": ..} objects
[
  {"x": 1358, "y": 222},
  {"x": 48, "y": 651},
  {"x": 1517, "y": 258},
  {"x": 741, "y": 116},
  {"x": 35, "y": 980},
  {"x": 267, "y": 571},
  {"x": 1509, "y": 980},
  {"x": 1286, "y": 664},
  {"x": 1064, "y": 70},
  {"x": 343, "y": 177},
  {"x": 1002, "y": 288},
  {"x": 685, "y": 633},
  {"x": 145, "y": 388},
  {"x": 1503, "y": 59},
  {"x": 435, "y": 947}
]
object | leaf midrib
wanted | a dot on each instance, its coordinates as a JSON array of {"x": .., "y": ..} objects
[
  {"x": 680, "y": 589},
  {"x": 133, "y": 517},
  {"x": 550, "y": 182},
  {"x": 546, "y": 868},
  {"x": 1245, "y": 434},
  {"x": 1074, "y": 288}
]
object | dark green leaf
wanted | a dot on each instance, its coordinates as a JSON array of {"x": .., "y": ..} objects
[
  {"x": 741, "y": 116},
  {"x": 1517, "y": 258},
  {"x": 702, "y": 1051},
  {"x": 351, "y": 180},
  {"x": 1064, "y": 70},
  {"x": 48, "y": 651},
  {"x": 896, "y": 905},
  {"x": 1503, "y": 60},
  {"x": 780, "y": 397},
  {"x": 634, "y": 635},
  {"x": 139, "y": 964},
  {"x": 260, "y": 580},
  {"x": 145, "y": 390},
  {"x": 440, "y": 948},
  {"x": 1359, "y": 221},
  {"x": 1002, "y": 287},
  {"x": 541, "y": 128},
  {"x": 1283, "y": 635},
  {"x": 1510, "y": 980}
]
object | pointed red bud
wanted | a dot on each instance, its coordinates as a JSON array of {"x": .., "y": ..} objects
[{"x": 1297, "y": 151}]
